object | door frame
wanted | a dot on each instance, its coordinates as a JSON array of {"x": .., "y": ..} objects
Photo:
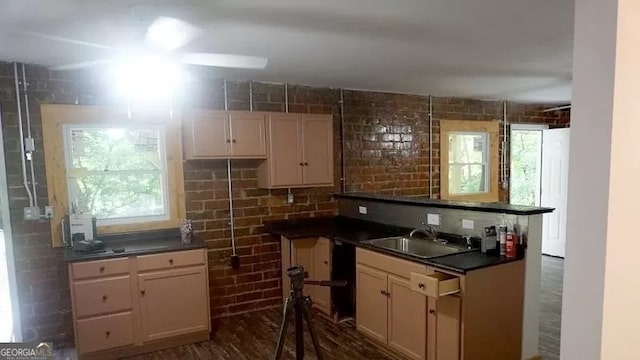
[
  {"x": 531, "y": 127},
  {"x": 6, "y": 222}
]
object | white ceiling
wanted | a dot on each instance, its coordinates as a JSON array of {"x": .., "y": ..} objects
[{"x": 517, "y": 50}]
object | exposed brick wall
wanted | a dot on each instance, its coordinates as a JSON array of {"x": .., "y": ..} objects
[
  {"x": 386, "y": 151},
  {"x": 387, "y": 137}
]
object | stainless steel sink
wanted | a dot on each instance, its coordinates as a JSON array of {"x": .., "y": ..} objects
[{"x": 416, "y": 247}]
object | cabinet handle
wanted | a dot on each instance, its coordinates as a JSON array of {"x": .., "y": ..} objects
[
  {"x": 107, "y": 334},
  {"x": 142, "y": 292},
  {"x": 306, "y": 164},
  {"x": 326, "y": 262},
  {"x": 228, "y": 141},
  {"x": 301, "y": 164},
  {"x": 421, "y": 285},
  {"x": 171, "y": 261},
  {"x": 234, "y": 141},
  {"x": 104, "y": 298},
  {"x": 101, "y": 268},
  {"x": 385, "y": 293},
  {"x": 432, "y": 312}
]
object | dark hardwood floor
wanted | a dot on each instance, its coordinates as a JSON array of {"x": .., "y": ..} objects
[
  {"x": 253, "y": 335},
  {"x": 551, "y": 307}
]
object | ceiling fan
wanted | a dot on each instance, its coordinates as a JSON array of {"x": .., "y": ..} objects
[{"x": 163, "y": 38}]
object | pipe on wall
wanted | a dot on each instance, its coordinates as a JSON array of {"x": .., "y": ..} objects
[
  {"x": 29, "y": 155},
  {"x": 505, "y": 124},
  {"x": 430, "y": 147},
  {"x": 25, "y": 181},
  {"x": 286, "y": 98},
  {"x": 343, "y": 179},
  {"x": 234, "y": 256}
]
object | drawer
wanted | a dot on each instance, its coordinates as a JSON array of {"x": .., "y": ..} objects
[
  {"x": 171, "y": 260},
  {"x": 89, "y": 269},
  {"x": 435, "y": 285},
  {"x": 105, "y": 332},
  {"x": 388, "y": 263},
  {"x": 102, "y": 296}
]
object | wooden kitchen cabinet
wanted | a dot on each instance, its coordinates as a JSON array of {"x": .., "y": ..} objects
[
  {"x": 136, "y": 304},
  {"x": 437, "y": 314},
  {"x": 407, "y": 318},
  {"x": 211, "y": 134},
  {"x": 314, "y": 255},
  {"x": 371, "y": 314},
  {"x": 173, "y": 302},
  {"x": 299, "y": 151}
]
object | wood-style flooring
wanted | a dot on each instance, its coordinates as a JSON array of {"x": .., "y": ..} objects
[
  {"x": 253, "y": 335},
  {"x": 551, "y": 307}
]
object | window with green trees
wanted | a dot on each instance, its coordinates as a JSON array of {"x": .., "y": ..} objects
[{"x": 118, "y": 174}]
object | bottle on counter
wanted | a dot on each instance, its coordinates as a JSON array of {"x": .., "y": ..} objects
[
  {"x": 510, "y": 245},
  {"x": 502, "y": 240}
]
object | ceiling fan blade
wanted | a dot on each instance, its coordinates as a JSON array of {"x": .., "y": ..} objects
[
  {"x": 225, "y": 60},
  {"x": 63, "y": 39},
  {"x": 170, "y": 33},
  {"x": 80, "y": 65}
]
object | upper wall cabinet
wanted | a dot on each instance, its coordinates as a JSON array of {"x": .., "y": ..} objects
[
  {"x": 300, "y": 151},
  {"x": 210, "y": 134}
]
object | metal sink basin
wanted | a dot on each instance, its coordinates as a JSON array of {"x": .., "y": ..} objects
[{"x": 416, "y": 247}]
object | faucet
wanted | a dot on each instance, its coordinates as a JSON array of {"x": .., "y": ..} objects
[{"x": 428, "y": 230}]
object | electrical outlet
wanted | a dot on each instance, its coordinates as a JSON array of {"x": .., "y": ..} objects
[
  {"x": 362, "y": 210},
  {"x": 290, "y": 198},
  {"x": 48, "y": 212},
  {"x": 433, "y": 219},
  {"x": 468, "y": 224},
  {"x": 31, "y": 213}
]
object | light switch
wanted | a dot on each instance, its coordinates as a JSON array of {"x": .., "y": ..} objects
[
  {"x": 433, "y": 219},
  {"x": 467, "y": 224},
  {"x": 362, "y": 210}
]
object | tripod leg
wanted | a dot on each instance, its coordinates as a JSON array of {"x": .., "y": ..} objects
[
  {"x": 298, "y": 311},
  {"x": 283, "y": 329},
  {"x": 312, "y": 332}
]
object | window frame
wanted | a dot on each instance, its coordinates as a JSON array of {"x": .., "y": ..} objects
[
  {"x": 53, "y": 119},
  {"x": 492, "y": 129},
  {"x": 486, "y": 159},
  {"x": 66, "y": 130}
]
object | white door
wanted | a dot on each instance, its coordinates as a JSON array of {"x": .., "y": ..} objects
[{"x": 555, "y": 174}]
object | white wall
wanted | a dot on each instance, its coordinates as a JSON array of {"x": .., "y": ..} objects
[{"x": 601, "y": 300}]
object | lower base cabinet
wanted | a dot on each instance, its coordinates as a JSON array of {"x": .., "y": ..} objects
[
  {"x": 314, "y": 255},
  {"x": 131, "y": 305},
  {"x": 391, "y": 311},
  {"x": 424, "y": 312}
]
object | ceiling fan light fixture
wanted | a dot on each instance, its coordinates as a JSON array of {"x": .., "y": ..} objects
[
  {"x": 170, "y": 34},
  {"x": 147, "y": 78}
]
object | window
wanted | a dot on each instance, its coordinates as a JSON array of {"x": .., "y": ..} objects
[
  {"x": 469, "y": 160},
  {"x": 468, "y": 163},
  {"x": 118, "y": 174},
  {"x": 126, "y": 169}
]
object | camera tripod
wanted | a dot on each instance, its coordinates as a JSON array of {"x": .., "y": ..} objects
[{"x": 300, "y": 305}]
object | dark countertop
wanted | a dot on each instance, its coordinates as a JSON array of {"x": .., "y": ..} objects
[
  {"x": 137, "y": 243},
  {"x": 460, "y": 205},
  {"x": 356, "y": 231}
]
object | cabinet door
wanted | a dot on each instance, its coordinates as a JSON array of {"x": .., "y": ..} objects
[
  {"x": 206, "y": 134},
  {"x": 285, "y": 150},
  {"x": 444, "y": 322},
  {"x": 302, "y": 254},
  {"x": 248, "y": 134},
  {"x": 407, "y": 317},
  {"x": 173, "y": 302},
  {"x": 371, "y": 302},
  {"x": 322, "y": 271},
  {"x": 317, "y": 149}
]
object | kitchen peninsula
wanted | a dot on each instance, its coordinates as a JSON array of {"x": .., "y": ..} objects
[{"x": 460, "y": 305}]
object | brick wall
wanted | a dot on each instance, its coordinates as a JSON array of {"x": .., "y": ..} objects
[
  {"x": 386, "y": 150},
  {"x": 387, "y": 137}
]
